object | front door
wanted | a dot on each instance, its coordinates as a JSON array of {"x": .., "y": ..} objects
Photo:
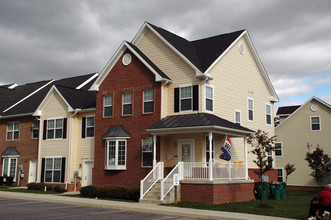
[
  {"x": 32, "y": 171},
  {"x": 87, "y": 173},
  {"x": 187, "y": 155}
]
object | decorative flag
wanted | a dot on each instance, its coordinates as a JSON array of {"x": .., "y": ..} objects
[{"x": 226, "y": 155}]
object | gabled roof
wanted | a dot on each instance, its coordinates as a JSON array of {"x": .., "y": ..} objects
[
  {"x": 159, "y": 75},
  {"x": 81, "y": 98},
  {"x": 287, "y": 110},
  {"x": 197, "y": 121},
  {"x": 202, "y": 55},
  {"x": 300, "y": 107}
]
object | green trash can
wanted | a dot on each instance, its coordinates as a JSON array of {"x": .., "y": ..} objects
[
  {"x": 276, "y": 189},
  {"x": 258, "y": 188},
  {"x": 283, "y": 190}
]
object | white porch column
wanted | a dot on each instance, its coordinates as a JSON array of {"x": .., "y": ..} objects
[
  {"x": 210, "y": 137},
  {"x": 154, "y": 151},
  {"x": 246, "y": 160}
]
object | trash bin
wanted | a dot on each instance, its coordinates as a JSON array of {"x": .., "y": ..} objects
[
  {"x": 258, "y": 188},
  {"x": 276, "y": 189},
  {"x": 283, "y": 189}
]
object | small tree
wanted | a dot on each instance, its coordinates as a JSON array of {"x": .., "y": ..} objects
[
  {"x": 319, "y": 162},
  {"x": 289, "y": 169},
  {"x": 262, "y": 144}
]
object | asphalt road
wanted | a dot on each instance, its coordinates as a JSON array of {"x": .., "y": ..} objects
[{"x": 11, "y": 209}]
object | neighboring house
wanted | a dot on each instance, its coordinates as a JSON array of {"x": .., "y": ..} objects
[
  {"x": 300, "y": 125},
  {"x": 168, "y": 103},
  {"x": 22, "y": 109},
  {"x": 66, "y": 146}
]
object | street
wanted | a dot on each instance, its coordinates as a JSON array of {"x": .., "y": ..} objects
[{"x": 26, "y": 209}]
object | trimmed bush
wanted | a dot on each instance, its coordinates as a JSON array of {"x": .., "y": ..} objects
[
  {"x": 89, "y": 191},
  {"x": 1, "y": 180},
  {"x": 110, "y": 193},
  {"x": 59, "y": 189},
  {"x": 36, "y": 186},
  {"x": 9, "y": 180},
  {"x": 134, "y": 194}
]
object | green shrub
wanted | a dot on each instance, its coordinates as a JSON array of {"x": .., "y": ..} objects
[
  {"x": 89, "y": 191},
  {"x": 59, "y": 189},
  {"x": 49, "y": 187},
  {"x": 1, "y": 180},
  {"x": 36, "y": 186},
  {"x": 9, "y": 180},
  {"x": 134, "y": 194},
  {"x": 102, "y": 192}
]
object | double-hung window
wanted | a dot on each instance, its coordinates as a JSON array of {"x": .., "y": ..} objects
[
  {"x": 237, "y": 117},
  {"x": 116, "y": 154},
  {"x": 148, "y": 101},
  {"x": 108, "y": 105},
  {"x": 55, "y": 128},
  {"x": 270, "y": 159},
  {"x": 280, "y": 173},
  {"x": 127, "y": 103},
  {"x": 278, "y": 149},
  {"x": 9, "y": 167},
  {"x": 268, "y": 114},
  {"x": 186, "y": 98},
  {"x": 147, "y": 151},
  {"x": 12, "y": 130},
  {"x": 35, "y": 128},
  {"x": 250, "y": 108},
  {"x": 209, "y": 98},
  {"x": 53, "y": 168},
  {"x": 90, "y": 126},
  {"x": 315, "y": 123}
]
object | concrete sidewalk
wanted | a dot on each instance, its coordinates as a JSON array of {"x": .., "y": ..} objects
[{"x": 135, "y": 207}]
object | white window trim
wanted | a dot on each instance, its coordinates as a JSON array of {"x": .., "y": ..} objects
[
  {"x": 213, "y": 100},
  {"x": 89, "y": 116},
  {"x": 53, "y": 157},
  {"x": 116, "y": 166},
  {"x": 311, "y": 125},
  {"x": 180, "y": 99},
  {"x": 281, "y": 149},
  {"x": 282, "y": 172},
  {"x": 142, "y": 151},
  {"x": 104, "y": 105},
  {"x": 249, "y": 109},
  {"x": 13, "y": 131},
  {"x": 8, "y": 168},
  {"x": 35, "y": 129},
  {"x": 267, "y": 104},
  {"x": 152, "y": 100},
  {"x": 129, "y": 103},
  {"x": 48, "y": 119},
  {"x": 235, "y": 119},
  {"x": 273, "y": 158}
]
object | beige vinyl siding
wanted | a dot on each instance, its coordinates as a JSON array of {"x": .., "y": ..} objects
[
  {"x": 171, "y": 64},
  {"x": 295, "y": 133}
]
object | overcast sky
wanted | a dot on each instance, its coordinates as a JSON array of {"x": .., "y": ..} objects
[{"x": 42, "y": 40}]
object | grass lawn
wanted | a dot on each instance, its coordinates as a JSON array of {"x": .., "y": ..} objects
[{"x": 295, "y": 205}]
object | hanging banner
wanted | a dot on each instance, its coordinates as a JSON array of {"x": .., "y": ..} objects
[{"x": 226, "y": 155}]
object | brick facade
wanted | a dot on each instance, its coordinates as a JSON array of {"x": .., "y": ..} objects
[
  {"x": 273, "y": 175},
  {"x": 25, "y": 145},
  {"x": 134, "y": 77},
  {"x": 217, "y": 193}
]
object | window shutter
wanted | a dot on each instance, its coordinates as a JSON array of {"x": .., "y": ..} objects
[
  {"x": 64, "y": 128},
  {"x": 83, "y": 126},
  {"x": 42, "y": 170},
  {"x": 63, "y": 169},
  {"x": 196, "y": 97},
  {"x": 45, "y": 130},
  {"x": 176, "y": 100}
]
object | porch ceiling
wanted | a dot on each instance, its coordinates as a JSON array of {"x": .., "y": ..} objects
[{"x": 200, "y": 122}]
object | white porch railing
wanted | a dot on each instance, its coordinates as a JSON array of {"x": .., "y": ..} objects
[
  {"x": 226, "y": 171},
  {"x": 168, "y": 183},
  {"x": 152, "y": 177}
]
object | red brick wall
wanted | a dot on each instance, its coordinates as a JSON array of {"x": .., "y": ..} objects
[
  {"x": 25, "y": 145},
  {"x": 217, "y": 193},
  {"x": 273, "y": 175},
  {"x": 135, "y": 78}
]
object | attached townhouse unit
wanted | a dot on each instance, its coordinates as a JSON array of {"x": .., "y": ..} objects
[
  {"x": 300, "y": 125},
  {"x": 166, "y": 105},
  {"x": 50, "y": 133}
]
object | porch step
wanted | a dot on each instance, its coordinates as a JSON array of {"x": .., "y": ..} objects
[{"x": 153, "y": 196}]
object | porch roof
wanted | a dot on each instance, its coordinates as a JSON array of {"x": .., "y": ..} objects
[{"x": 198, "y": 122}]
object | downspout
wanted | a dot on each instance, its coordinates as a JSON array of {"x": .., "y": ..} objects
[{"x": 69, "y": 148}]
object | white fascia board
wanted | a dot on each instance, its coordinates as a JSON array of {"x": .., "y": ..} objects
[
  {"x": 16, "y": 116},
  {"x": 87, "y": 81},
  {"x": 47, "y": 98},
  {"x": 111, "y": 63},
  {"x": 28, "y": 96},
  {"x": 143, "y": 30},
  {"x": 298, "y": 109}
]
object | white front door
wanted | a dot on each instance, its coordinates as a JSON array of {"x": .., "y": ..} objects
[
  {"x": 186, "y": 151},
  {"x": 87, "y": 173},
  {"x": 32, "y": 171}
]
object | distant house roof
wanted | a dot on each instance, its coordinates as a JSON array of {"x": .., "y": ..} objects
[
  {"x": 287, "y": 110},
  {"x": 11, "y": 152},
  {"x": 197, "y": 121},
  {"x": 116, "y": 131}
]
